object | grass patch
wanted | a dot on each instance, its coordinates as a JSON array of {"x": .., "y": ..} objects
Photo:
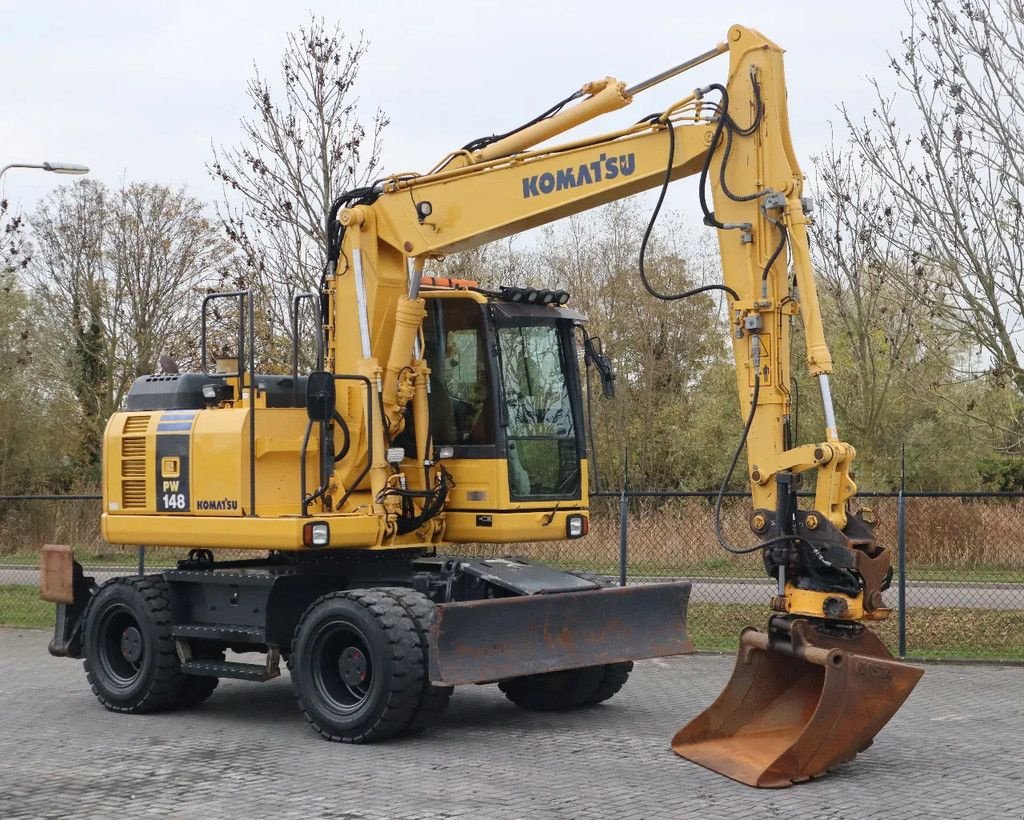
[
  {"x": 932, "y": 632},
  {"x": 22, "y": 606},
  {"x": 754, "y": 570},
  {"x": 109, "y": 556}
]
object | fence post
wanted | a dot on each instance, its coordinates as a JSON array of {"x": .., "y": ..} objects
[
  {"x": 624, "y": 523},
  {"x": 142, "y": 560},
  {"x": 901, "y": 553}
]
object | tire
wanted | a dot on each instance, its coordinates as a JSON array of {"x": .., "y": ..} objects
[
  {"x": 358, "y": 667},
  {"x": 433, "y": 699},
  {"x": 130, "y": 658},
  {"x": 196, "y": 689},
  {"x": 614, "y": 677},
  {"x": 555, "y": 691}
]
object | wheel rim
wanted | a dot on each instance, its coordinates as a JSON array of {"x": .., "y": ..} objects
[
  {"x": 121, "y": 649},
  {"x": 341, "y": 666}
]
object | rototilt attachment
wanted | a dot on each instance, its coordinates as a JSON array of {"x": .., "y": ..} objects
[{"x": 802, "y": 699}]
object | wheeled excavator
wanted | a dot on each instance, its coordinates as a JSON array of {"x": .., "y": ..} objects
[{"x": 443, "y": 414}]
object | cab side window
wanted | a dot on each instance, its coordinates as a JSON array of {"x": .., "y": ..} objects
[{"x": 461, "y": 406}]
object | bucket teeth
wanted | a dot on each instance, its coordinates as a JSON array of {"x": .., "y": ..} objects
[{"x": 802, "y": 699}]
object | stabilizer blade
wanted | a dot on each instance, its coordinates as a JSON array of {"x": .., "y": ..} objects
[{"x": 489, "y": 640}]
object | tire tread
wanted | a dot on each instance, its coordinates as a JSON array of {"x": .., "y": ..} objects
[
  {"x": 408, "y": 668},
  {"x": 168, "y": 679}
]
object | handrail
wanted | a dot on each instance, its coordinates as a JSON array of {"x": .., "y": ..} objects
[
  {"x": 246, "y": 322},
  {"x": 315, "y": 299}
]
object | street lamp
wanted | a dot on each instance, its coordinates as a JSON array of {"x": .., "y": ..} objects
[{"x": 52, "y": 167}]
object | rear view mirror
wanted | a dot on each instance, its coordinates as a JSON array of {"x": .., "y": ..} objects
[
  {"x": 594, "y": 355},
  {"x": 320, "y": 396}
]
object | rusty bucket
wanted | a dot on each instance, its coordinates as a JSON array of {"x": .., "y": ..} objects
[{"x": 802, "y": 700}]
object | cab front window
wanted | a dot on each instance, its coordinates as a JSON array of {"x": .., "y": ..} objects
[{"x": 540, "y": 429}]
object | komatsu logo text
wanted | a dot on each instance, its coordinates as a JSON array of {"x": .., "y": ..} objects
[
  {"x": 218, "y": 504},
  {"x": 604, "y": 167}
]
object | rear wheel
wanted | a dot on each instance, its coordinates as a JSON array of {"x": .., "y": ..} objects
[
  {"x": 130, "y": 658},
  {"x": 358, "y": 666},
  {"x": 197, "y": 689}
]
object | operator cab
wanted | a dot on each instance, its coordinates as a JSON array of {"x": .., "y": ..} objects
[{"x": 505, "y": 393}]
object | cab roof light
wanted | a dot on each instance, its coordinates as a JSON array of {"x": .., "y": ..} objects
[{"x": 534, "y": 296}]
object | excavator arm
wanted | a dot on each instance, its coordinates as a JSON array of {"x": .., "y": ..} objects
[{"x": 814, "y": 689}]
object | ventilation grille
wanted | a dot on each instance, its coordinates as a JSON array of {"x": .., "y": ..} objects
[
  {"x": 133, "y": 493},
  {"x": 136, "y": 425},
  {"x": 133, "y": 462},
  {"x": 133, "y": 448}
]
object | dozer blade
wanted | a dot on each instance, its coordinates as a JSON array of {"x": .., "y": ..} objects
[
  {"x": 486, "y": 641},
  {"x": 797, "y": 705}
]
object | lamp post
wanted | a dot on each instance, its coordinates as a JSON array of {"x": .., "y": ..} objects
[{"x": 52, "y": 167}]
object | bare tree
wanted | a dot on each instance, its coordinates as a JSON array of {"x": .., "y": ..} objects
[
  {"x": 899, "y": 364},
  {"x": 122, "y": 273},
  {"x": 949, "y": 145},
  {"x": 302, "y": 149},
  {"x": 15, "y": 250}
]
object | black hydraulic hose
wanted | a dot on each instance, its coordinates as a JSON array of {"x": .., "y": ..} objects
[
  {"x": 727, "y": 123},
  {"x": 709, "y": 216},
  {"x": 669, "y": 297},
  {"x": 483, "y": 142},
  {"x": 721, "y": 175},
  {"x": 783, "y": 237},
  {"x": 728, "y": 477},
  {"x": 348, "y": 438}
]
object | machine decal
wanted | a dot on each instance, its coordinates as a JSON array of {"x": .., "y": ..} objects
[
  {"x": 218, "y": 504},
  {"x": 172, "y": 473},
  {"x": 604, "y": 167},
  {"x": 176, "y": 421}
]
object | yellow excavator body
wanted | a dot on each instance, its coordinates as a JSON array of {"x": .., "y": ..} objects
[{"x": 442, "y": 413}]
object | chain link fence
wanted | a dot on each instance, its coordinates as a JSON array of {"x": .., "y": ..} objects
[{"x": 958, "y": 559}]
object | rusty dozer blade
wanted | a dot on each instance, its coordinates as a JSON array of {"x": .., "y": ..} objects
[
  {"x": 797, "y": 704},
  {"x": 489, "y": 640}
]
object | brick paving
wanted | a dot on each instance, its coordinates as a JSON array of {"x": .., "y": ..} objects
[{"x": 953, "y": 751}]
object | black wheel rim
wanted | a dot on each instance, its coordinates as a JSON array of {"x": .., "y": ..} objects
[
  {"x": 342, "y": 667},
  {"x": 120, "y": 646}
]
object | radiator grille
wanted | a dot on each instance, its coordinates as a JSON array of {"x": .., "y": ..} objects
[{"x": 133, "y": 462}]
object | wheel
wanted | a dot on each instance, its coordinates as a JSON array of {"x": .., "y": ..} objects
[
  {"x": 555, "y": 691},
  {"x": 358, "y": 666},
  {"x": 614, "y": 677},
  {"x": 130, "y": 658},
  {"x": 433, "y": 699},
  {"x": 195, "y": 689}
]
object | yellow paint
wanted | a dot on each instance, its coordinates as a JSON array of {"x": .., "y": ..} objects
[{"x": 811, "y": 603}]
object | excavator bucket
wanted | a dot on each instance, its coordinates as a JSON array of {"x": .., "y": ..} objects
[{"x": 800, "y": 702}]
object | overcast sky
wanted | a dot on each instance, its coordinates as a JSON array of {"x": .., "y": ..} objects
[{"x": 138, "y": 90}]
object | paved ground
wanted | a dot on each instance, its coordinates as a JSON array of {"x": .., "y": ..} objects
[
  {"x": 952, "y": 752},
  {"x": 975, "y": 595}
]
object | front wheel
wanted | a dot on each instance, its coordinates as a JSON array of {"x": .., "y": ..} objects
[
  {"x": 358, "y": 666},
  {"x": 569, "y": 689}
]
